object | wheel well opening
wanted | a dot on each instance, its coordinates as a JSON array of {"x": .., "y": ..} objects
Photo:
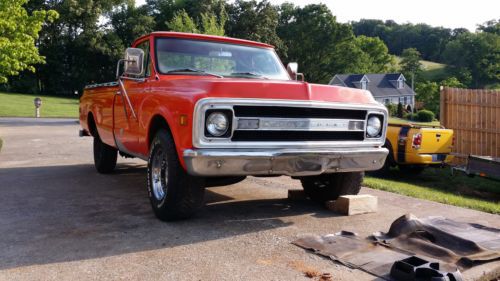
[
  {"x": 92, "y": 125},
  {"x": 158, "y": 122}
]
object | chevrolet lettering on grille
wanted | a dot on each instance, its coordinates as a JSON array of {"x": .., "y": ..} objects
[{"x": 292, "y": 124}]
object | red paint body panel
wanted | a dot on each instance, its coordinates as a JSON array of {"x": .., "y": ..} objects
[{"x": 171, "y": 96}]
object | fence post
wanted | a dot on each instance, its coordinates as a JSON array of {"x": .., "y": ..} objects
[{"x": 442, "y": 106}]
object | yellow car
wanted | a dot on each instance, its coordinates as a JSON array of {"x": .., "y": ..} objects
[{"x": 414, "y": 146}]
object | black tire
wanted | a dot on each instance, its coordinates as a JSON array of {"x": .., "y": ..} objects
[
  {"x": 182, "y": 194},
  {"x": 412, "y": 169},
  {"x": 104, "y": 156},
  {"x": 389, "y": 162},
  {"x": 327, "y": 187}
]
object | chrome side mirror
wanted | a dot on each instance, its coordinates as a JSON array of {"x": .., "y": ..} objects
[
  {"x": 292, "y": 69},
  {"x": 134, "y": 61}
]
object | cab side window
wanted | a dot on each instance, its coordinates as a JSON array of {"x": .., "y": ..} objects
[{"x": 147, "y": 66}]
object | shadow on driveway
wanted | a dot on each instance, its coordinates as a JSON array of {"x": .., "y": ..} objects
[{"x": 67, "y": 213}]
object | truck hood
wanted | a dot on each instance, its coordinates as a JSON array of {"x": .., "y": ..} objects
[{"x": 197, "y": 89}]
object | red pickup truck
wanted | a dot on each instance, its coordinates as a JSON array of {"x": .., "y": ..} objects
[{"x": 208, "y": 110}]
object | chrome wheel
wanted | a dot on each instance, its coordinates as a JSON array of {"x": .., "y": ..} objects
[{"x": 159, "y": 174}]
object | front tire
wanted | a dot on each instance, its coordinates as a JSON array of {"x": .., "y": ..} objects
[
  {"x": 104, "y": 156},
  {"x": 173, "y": 194},
  {"x": 327, "y": 187}
]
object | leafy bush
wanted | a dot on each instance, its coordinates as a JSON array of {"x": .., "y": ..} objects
[
  {"x": 410, "y": 116},
  {"x": 425, "y": 116},
  {"x": 392, "y": 108}
]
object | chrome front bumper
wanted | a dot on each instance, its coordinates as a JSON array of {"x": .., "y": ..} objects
[{"x": 291, "y": 162}]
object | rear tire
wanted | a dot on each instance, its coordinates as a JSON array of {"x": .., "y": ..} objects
[
  {"x": 104, "y": 156},
  {"x": 173, "y": 194},
  {"x": 327, "y": 187},
  {"x": 412, "y": 169}
]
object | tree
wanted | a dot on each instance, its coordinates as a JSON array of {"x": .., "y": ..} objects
[
  {"x": 377, "y": 58},
  {"x": 129, "y": 22},
  {"x": 321, "y": 45},
  {"x": 475, "y": 56},
  {"x": 452, "y": 82},
  {"x": 212, "y": 24},
  {"x": 410, "y": 63},
  {"x": 18, "y": 33},
  {"x": 429, "y": 41},
  {"x": 400, "y": 110},
  {"x": 80, "y": 46},
  {"x": 256, "y": 21},
  {"x": 182, "y": 22},
  {"x": 491, "y": 26},
  {"x": 209, "y": 24},
  {"x": 428, "y": 93}
]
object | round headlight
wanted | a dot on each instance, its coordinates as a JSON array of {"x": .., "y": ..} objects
[
  {"x": 374, "y": 126},
  {"x": 217, "y": 124}
]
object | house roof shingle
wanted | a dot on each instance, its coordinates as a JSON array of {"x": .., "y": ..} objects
[{"x": 380, "y": 85}]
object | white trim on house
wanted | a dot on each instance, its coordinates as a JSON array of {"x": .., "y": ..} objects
[{"x": 338, "y": 80}]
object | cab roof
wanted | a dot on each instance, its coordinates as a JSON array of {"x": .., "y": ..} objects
[{"x": 196, "y": 36}]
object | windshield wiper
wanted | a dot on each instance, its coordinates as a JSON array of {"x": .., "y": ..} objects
[
  {"x": 181, "y": 70},
  {"x": 248, "y": 74}
]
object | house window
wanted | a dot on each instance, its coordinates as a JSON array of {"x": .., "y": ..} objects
[
  {"x": 387, "y": 101},
  {"x": 363, "y": 84},
  {"x": 401, "y": 84},
  {"x": 401, "y": 100},
  {"x": 406, "y": 100}
]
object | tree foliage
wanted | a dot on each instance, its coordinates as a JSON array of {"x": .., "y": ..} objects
[
  {"x": 475, "y": 57},
  {"x": 429, "y": 41},
  {"x": 428, "y": 92},
  {"x": 182, "y": 22},
  {"x": 256, "y": 21},
  {"x": 321, "y": 45},
  {"x": 209, "y": 24},
  {"x": 84, "y": 43},
  {"x": 410, "y": 62},
  {"x": 18, "y": 34},
  {"x": 376, "y": 56}
]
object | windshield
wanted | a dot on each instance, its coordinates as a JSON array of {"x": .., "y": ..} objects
[{"x": 180, "y": 56}]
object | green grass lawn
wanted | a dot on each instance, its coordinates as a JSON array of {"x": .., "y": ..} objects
[
  {"x": 21, "y": 105},
  {"x": 439, "y": 185},
  {"x": 432, "y": 71},
  {"x": 399, "y": 121}
]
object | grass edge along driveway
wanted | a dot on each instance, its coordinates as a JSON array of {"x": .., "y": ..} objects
[{"x": 439, "y": 186}]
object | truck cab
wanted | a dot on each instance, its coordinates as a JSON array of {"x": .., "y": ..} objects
[{"x": 208, "y": 110}]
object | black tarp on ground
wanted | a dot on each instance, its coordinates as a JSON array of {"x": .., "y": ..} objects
[{"x": 453, "y": 244}]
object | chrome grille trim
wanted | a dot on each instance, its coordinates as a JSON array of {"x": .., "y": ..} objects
[
  {"x": 298, "y": 124},
  {"x": 201, "y": 141}
]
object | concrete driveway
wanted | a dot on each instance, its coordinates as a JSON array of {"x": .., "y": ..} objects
[{"x": 60, "y": 219}]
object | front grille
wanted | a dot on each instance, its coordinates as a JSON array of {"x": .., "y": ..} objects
[
  {"x": 254, "y": 112},
  {"x": 262, "y": 136},
  {"x": 298, "y": 112}
]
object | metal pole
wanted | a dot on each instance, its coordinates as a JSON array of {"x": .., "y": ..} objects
[{"x": 413, "y": 89}]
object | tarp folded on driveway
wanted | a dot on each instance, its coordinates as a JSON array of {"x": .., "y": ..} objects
[{"x": 453, "y": 244}]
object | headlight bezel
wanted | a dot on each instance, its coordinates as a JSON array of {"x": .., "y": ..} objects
[
  {"x": 379, "y": 133},
  {"x": 228, "y": 114}
]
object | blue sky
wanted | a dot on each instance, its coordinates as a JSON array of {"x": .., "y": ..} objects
[{"x": 447, "y": 13}]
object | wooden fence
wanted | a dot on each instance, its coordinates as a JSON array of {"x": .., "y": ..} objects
[{"x": 474, "y": 115}]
